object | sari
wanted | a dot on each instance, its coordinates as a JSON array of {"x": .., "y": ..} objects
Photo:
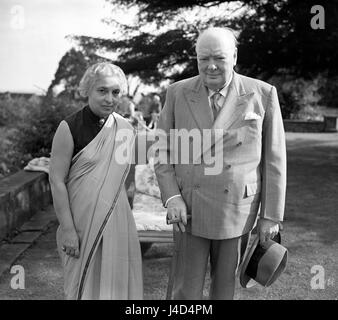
[{"x": 110, "y": 262}]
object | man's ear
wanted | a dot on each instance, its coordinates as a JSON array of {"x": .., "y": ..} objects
[{"x": 235, "y": 56}]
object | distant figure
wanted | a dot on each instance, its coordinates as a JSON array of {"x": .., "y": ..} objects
[
  {"x": 126, "y": 108},
  {"x": 97, "y": 238},
  {"x": 150, "y": 107},
  {"x": 155, "y": 109}
]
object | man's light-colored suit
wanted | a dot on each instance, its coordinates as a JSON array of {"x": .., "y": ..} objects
[{"x": 253, "y": 177}]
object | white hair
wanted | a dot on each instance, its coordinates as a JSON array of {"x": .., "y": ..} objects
[
  {"x": 101, "y": 69},
  {"x": 221, "y": 32}
]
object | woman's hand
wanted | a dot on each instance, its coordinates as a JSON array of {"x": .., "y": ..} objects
[{"x": 70, "y": 242}]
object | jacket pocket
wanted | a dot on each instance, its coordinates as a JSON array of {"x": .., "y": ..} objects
[{"x": 252, "y": 189}]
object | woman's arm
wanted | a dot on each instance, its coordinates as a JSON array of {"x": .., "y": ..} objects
[{"x": 61, "y": 156}]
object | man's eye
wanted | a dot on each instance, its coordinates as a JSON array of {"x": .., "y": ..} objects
[{"x": 116, "y": 92}]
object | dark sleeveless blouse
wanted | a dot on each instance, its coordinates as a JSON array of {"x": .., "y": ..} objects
[{"x": 84, "y": 125}]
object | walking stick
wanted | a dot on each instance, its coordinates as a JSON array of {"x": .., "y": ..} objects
[
  {"x": 178, "y": 238},
  {"x": 174, "y": 262}
]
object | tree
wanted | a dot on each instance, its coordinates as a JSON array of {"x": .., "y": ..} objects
[
  {"x": 157, "y": 47},
  {"x": 68, "y": 74},
  {"x": 276, "y": 37}
]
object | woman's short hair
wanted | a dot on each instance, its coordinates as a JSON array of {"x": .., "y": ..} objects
[{"x": 98, "y": 70}]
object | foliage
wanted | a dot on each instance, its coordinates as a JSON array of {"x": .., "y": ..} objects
[
  {"x": 329, "y": 91},
  {"x": 69, "y": 73},
  {"x": 157, "y": 46},
  {"x": 14, "y": 110},
  {"x": 275, "y": 35},
  {"x": 299, "y": 97},
  {"x": 29, "y": 133},
  {"x": 36, "y": 133}
]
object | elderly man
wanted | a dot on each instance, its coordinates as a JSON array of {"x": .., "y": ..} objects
[{"x": 250, "y": 188}]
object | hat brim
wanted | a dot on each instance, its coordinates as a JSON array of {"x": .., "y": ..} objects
[{"x": 244, "y": 279}]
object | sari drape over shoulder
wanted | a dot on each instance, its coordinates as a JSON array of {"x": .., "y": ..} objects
[{"x": 110, "y": 263}]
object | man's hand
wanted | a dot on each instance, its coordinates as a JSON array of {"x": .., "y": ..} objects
[
  {"x": 267, "y": 229},
  {"x": 177, "y": 211}
]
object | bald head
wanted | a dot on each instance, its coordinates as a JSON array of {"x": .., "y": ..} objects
[{"x": 216, "y": 56}]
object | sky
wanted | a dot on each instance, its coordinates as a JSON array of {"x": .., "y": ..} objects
[{"x": 32, "y": 38}]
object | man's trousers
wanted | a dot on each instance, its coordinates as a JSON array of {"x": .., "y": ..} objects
[{"x": 193, "y": 254}]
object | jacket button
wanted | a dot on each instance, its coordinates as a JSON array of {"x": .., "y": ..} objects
[{"x": 226, "y": 191}]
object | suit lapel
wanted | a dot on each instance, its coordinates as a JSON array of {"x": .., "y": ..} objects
[
  {"x": 233, "y": 106},
  {"x": 197, "y": 100},
  {"x": 232, "y": 110}
]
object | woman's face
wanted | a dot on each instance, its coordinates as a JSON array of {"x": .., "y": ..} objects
[{"x": 104, "y": 96}]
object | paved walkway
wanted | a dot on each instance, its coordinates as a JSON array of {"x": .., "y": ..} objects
[{"x": 311, "y": 235}]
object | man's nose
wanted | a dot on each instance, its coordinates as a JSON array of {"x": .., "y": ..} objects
[{"x": 212, "y": 66}]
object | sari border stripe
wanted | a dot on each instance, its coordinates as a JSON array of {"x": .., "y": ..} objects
[{"x": 99, "y": 235}]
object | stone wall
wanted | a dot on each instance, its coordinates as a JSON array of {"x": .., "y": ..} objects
[
  {"x": 21, "y": 196},
  {"x": 303, "y": 126},
  {"x": 329, "y": 124}
]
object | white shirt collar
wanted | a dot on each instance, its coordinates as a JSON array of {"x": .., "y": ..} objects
[{"x": 223, "y": 91}]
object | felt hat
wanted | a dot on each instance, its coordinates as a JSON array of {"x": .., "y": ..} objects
[{"x": 264, "y": 262}]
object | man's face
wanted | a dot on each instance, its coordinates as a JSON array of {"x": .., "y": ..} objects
[{"x": 216, "y": 58}]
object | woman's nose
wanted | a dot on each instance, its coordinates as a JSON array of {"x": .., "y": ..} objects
[{"x": 109, "y": 97}]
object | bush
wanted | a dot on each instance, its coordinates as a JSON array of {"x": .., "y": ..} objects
[
  {"x": 329, "y": 92},
  {"x": 298, "y": 97},
  {"x": 29, "y": 129},
  {"x": 37, "y": 132},
  {"x": 15, "y": 110}
]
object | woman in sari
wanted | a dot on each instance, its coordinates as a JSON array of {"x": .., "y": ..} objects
[{"x": 97, "y": 238}]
